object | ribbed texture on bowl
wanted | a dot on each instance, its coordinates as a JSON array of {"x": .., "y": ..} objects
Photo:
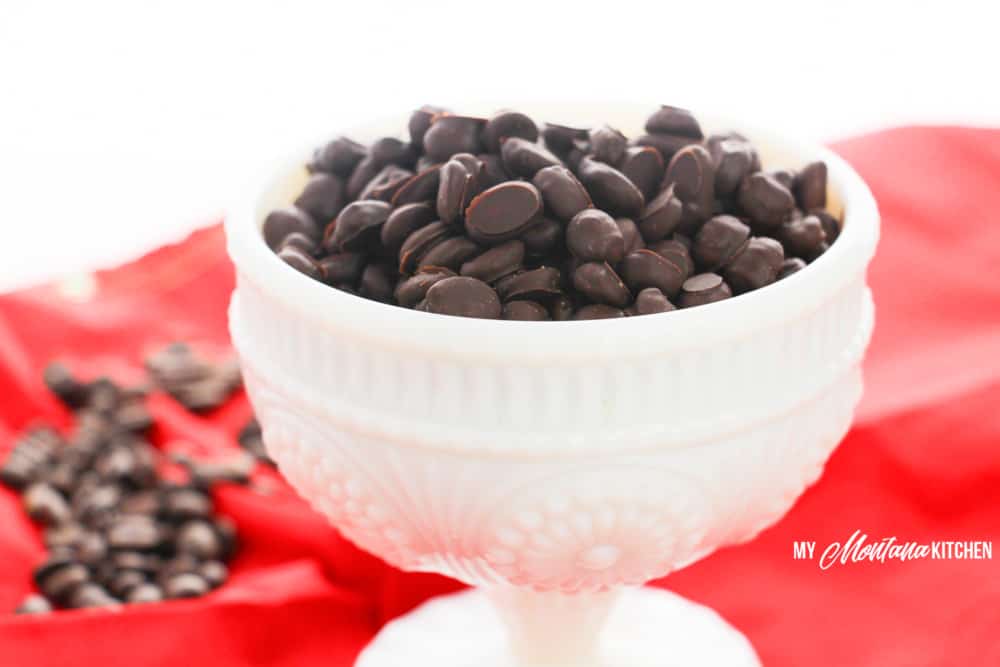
[
  {"x": 538, "y": 408},
  {"x": 579, "y": 523}
]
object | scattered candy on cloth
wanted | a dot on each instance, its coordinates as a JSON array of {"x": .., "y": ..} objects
[{"x": 921, "y": 463}]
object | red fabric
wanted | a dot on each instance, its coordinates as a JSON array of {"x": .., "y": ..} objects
[{"x": 921, "y": 463}]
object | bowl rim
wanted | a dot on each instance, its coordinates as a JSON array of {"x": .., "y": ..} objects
[{"x": 404, "y": 329}]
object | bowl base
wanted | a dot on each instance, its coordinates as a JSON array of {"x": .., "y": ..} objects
[{"x": 647, "y": 627}]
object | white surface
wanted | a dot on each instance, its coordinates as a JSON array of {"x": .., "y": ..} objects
[
  {"x": 556, "y": 457},
  {"x": 125, "y": 124},
  {"x": 646, "y": 628}
]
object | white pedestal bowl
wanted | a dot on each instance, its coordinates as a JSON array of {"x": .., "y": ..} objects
[{"x": 557, "y": 466}]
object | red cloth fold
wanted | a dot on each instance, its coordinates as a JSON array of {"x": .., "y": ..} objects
[{"x": 921, "y": 463}]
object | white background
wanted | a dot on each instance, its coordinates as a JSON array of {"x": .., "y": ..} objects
[{"x": 126, "y": 124}]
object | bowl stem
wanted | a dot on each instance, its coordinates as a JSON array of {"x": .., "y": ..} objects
[{"x": 553, "y": 629}]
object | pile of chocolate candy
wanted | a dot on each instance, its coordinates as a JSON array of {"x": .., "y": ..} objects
[
  {"x": 500, "y": 218},
  {"x": 117, "y": 529}
]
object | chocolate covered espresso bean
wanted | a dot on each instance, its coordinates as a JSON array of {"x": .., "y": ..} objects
[
  {"x": 561, "y": 308},
  {"x": 666, "y": 144},
  {"x": 214, "y": 572},
  {"x": 607, "y": 144},
  {"x": 651, "y": 301},
  {"x": 34, "y": 604},
  {"x": 420, "y": 122},
  {"x": 493, "y": 172},
  {"x": 631, "y": 234},
  {"x": 451, "y": 253},
  {"x": 801, "y": 236},
  {"x": 609, "y": 188},
  {"x": 386, "y": 183},
  {"x": 733, "y": 159},
  {"x": 377, "y": 282},
  {"x": 422, "y": 186},
  {"x": 599, "y": 283},
  {"x": 45, "y": 504},
  {"x": 450, "y": 134},
  {"x": 403, "y": 221},
  {"x": 756, "y": 266},
  {"x": 300, "y": 261},
  {"x": 89, "y": 595},
  {"x": 831, "y": 226},
  {"x": 476, "y": 168},
  {"x": 784, "y": 176},
  {"x": 593, "y": 235},
  {"x": 419, "y": 243},
  {"x": 644, "y": 166},
  {"x": 542, "y": 237},
  {"x": 561, "y": 138},
  {"x": 702, "y": 289},
  {"x": 284, "y": 221},
  {"x": 675, "y": 121},
  {"x": 322, "y": 197},
  {"x": 507, "y": 124},
  {"x": 454, "y": 191},
  {"x": 464, "y": 296},
  {"x": 525, "y": 311},
  {"x": 765, "y": 199},
  {"x": 144, "y": 593},
  {"x": 598, "y": 311},
  {"x": 502, "y": 212},
  {"x": 341, "y": 268},
  {"x": 719, "y": 240},
  {"x": 413, "y": 290},
  {"x": 810, "y": 186},
  {"x": 497, "y": 262},
  {"x": 646, "y": 268},
  {"x": 535, "y": 285},
  {"x": 358, "y": 224},
  {"x": 306, "y": 244},
  {"x": 390, "y": 150},
  {"x": 364, "y": 172},
  {"x": 661, "y": 217},
  {"x": 692, "y": 175},
  {"x": 184, "y": 585},
  {"x": 790, "y": 266},
  {"x": 338, "y": 157},
  {"x": 562, "y": 192},
  {"x": 525, "y": 158}
]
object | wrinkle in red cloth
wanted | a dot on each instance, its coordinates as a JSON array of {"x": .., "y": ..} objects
[{"x": 922, "y": 462}]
